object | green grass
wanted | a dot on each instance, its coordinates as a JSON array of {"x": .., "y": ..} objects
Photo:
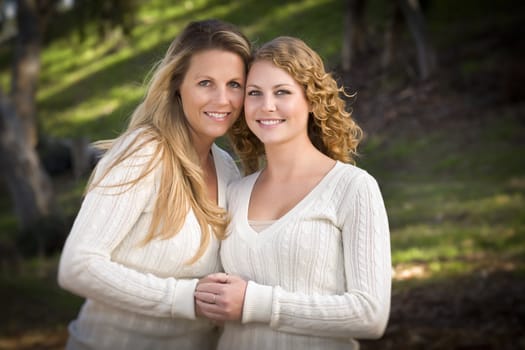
[
  {"x": 455, "y": 196},
  {"x": 91, "y": 88}
]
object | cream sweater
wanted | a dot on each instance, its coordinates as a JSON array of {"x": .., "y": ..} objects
[
  {"x": 138, "y": 297},
  {"x": 320, "y": 275}
]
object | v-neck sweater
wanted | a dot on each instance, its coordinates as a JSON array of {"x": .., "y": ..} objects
[
  {"x": 137, "y": 296},
  {"x": 320, "y": 275}
]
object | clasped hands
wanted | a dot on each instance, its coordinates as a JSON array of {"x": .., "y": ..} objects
[{"x": 220, "y": 297}]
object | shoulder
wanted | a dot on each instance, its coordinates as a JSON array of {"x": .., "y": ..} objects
[
  {"x": 242, "y": 184},
  {"x": 132, "y": 151},
  {"x": 350, "y": 172},
  {"x": 224, "y": 162},
  {"x": 221, "y": 153},
  {"x": 139, "y": 142},
  {"x": 352, "y": 178}
]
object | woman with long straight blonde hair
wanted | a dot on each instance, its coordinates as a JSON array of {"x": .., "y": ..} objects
[{"x": 152, "y": 218}]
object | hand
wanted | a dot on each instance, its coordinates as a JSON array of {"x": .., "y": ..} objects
[{"x": 220, "y": 297}]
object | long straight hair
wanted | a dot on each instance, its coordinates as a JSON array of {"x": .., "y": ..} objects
[{"x": 161, "y": 121}]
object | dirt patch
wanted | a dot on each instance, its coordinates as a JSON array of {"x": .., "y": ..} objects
[{"x": 481, "y": 311}]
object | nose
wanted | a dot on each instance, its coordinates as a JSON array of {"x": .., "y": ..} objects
[
  {"x": 268, "y": 104},
  {"x": 221, "y": 96}
]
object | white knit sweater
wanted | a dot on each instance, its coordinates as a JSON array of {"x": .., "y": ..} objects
[
  {"x": 138, "y": 297},
  {"x": 320, "y": 275}
]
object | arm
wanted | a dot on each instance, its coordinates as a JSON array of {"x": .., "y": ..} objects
[
  {"x": 362, "y": 311},
  {"x": 107, "y": 215}
]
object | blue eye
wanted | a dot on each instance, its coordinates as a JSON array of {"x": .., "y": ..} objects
[
  {"x": 282, "y": 92},
  {"x": 204, "y": 83},
  {"x": 235, "y": 85},
  {"x": 254, "y": 93}
]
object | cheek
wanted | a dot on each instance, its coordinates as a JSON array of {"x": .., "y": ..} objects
[
  {"x": 249, "y": 108},
  {"x": 189, "y": 100},
  {"x": 238, "y": 100}
]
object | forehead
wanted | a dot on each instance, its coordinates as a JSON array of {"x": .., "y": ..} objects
[
  {"x": 265, "y": 72},
  {"x": 215, "y": 61}
]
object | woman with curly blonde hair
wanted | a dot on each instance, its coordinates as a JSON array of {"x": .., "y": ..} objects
[
  {"x": 153, "y": 216},
  {"x": 308, "y": 247}
]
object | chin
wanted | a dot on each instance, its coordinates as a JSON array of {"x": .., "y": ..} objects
[{"x": 217, "y": 132}]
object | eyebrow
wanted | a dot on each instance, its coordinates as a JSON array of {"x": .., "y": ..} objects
[
  {"x": 199, "y": 76},
  {"x": 273, "y": 87}
]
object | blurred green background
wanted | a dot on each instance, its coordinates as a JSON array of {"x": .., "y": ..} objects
[{"x": 447, "y": 152}]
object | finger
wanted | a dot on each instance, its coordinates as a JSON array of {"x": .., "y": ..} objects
[
  {"x": 218, "y": 277},
  {"x": 213, "y": 287},
  {"x": 213, "y": 316},
  {"x": 201, "y": 296},
  {"x": 234, "y": 279},
  {"x": 209, "y": 279},
  {"x": 221, "y": 277},
  {"x": 211, "y": 311},
  {"x": 209, "y": 298}
]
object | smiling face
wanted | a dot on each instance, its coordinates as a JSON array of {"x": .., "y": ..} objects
[
  {"x": 275, "y": 106},
  {"x": 212, "y": 93}
]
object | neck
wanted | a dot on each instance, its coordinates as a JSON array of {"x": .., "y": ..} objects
[
  {"x": 288, "y": 161},
  {"x": 203, "y": 152}
]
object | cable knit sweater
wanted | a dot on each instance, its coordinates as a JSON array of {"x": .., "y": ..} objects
[
  {"x": 320, "y": 275},
  {"x": 138, "y": 297}
]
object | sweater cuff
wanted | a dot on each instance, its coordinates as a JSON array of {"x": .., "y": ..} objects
[
  {"x": 257, "y": 303},
  {"x": 183, "y": 305}
]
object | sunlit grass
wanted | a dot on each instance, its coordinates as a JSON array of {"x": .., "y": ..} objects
[
  {"x": 448, "y": 242},
  {"x": 97, "y": 62},
  {"x": 286, "y": 19},
  {"x": 109, "y": 110},
  {"x": 78, "y": 78}
]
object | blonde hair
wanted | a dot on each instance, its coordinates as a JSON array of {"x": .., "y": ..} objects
[
  {"x": 331, "y": 128},
  {"x": 160, "y": 119}
]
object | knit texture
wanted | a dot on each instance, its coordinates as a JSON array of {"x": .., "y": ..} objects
[
  {"x": 137, "y": 297},
  {"x": 319, "y": 276}
]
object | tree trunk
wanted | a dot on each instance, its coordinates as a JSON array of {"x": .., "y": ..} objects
[
  {"x": 28, "y": 184},
  {"x": 26, "y": 68},
  {"x": 26, "y": 180},
  {"x": 392, "y": 36},
  {"x": 416, "y": 24},
  {"x": 354, "y": 32}
]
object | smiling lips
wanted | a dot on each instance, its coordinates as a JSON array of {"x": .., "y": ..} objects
[
  {"x": 270, "y": 122},
  {"x": 217, "y": 116}
]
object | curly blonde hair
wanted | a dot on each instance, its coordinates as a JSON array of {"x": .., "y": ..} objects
[
  {"x": 160, "y": 120},
  {"x": 331, "y": 128}
]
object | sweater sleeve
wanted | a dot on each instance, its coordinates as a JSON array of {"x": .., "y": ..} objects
[
  {"x": 363, "y": 310},
  {"x": 106, "y": 216}
]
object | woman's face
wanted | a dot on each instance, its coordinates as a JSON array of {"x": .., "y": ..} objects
[
  {"x": 212, "y": 93},
  {"x": 275, "y": 106}
]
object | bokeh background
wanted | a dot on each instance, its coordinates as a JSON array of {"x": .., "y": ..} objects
[{"x": 438, "y": 90}]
